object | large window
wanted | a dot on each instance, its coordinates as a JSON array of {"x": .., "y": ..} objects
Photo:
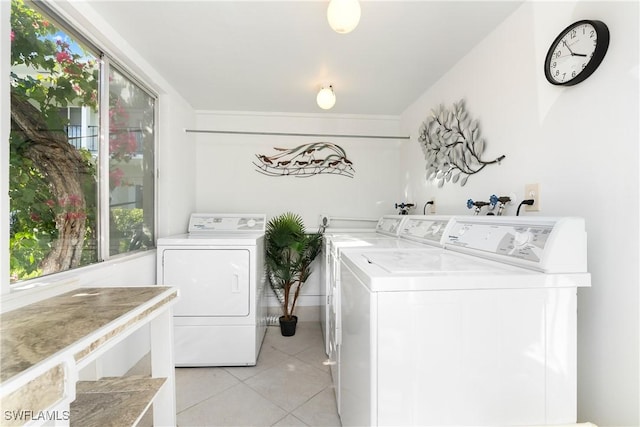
[
  {"x": 131, "y": 147},
  {"x": 81, "y": 151}
]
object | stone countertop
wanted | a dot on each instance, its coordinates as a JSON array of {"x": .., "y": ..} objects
[{"x": 36, "y": 332}]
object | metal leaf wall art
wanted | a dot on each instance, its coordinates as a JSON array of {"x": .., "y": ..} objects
[
  {"x": 305, "y": 161},
  {"x": 452, "y": 145}
]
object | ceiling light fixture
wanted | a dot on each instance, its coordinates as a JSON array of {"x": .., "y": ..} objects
[
  {"x": 326, "y": 98},
  {"x": 343, "y": 15}
]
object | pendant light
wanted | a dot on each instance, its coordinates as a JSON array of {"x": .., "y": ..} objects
[
  {"x": 343, "y": 15},
  {"x": 326, "y": 98}
]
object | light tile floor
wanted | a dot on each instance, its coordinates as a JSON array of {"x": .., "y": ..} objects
[{"x": 289, "y": 386}]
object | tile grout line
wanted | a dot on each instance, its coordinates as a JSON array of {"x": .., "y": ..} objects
[
  {"x": 211, "y": 396},
  {"x": 304, "y": 362},
  {"x": 276, "y": 346}
]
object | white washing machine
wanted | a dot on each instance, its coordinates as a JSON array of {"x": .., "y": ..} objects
[
  {"x": 335, "y": 226},
  {"x": 481, "y": 333},
  {"x": 218, "y": 267},
  {"x": 394, "y": 232},
  {"x": 387, "y": 226}
]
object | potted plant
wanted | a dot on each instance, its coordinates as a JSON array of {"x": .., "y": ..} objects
[{"x": 289, "y": 252}]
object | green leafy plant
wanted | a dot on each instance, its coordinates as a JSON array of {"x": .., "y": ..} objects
[
  {"x": 128, "y": 231},
  {"x": 289, "y": 252}
]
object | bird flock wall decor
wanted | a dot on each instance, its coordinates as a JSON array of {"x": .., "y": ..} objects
[{"x": 306, "y": 160}]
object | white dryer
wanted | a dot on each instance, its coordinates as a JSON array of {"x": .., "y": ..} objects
[
  {"x": 482, "y": 332},
  {"x": 218, "y": 268}
]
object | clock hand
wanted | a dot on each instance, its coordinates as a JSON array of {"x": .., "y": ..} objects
[
  {"x": 570, "y": 51},
  {"x": 567, "y": 46}
]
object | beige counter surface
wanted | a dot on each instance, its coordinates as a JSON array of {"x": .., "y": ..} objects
[
  {"x": 37, "y": 331},
  {"x": 44, "y": 345}
]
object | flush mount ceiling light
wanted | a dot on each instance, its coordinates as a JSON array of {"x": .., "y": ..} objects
[
  {"x": 343, "y": 15},
  {"x": 326, "y": 98}
]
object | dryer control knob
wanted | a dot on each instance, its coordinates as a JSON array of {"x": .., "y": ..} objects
[{"x": 522, "y": 238}]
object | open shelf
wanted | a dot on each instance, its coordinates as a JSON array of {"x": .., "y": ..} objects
[{"x": 113, "y": 401}]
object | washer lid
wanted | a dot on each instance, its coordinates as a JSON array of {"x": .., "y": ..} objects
[
  {"x": 394, "y": 270},
  {"x": 373, "y": 243},
  {"x": 425, "y": 262}
]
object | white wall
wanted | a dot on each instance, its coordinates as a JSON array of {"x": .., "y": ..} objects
[
  {"x": 581, "y": 144},
  {"x": 227, "y": 180},
  {"x": 176, "y": 171}
]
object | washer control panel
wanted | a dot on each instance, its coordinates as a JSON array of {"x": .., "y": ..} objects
[
  {"x": 390, "y": 224},
  {"x": 547, "y": 244},
  {"x": 427, "y": 229},
  {"x": 229, "y": 223},
  {"x": 519, "y": 241}
]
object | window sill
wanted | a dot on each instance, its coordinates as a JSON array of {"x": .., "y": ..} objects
[{"x": 33, "y": 290}]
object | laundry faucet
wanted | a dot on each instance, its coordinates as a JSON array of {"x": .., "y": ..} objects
[
  {"x": 404, "y": 207},
  {"x": 478, "y": 205},
  {"x": 500, "y": 201}
]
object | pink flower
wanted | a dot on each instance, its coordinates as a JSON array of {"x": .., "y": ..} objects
[
  {"x": 114, "y": 144},
  {"x": 132, "y": 143},
  {"x": 63, "y": 57},
  {"x": 72, "y": 216},
  {"x": 13, "y": 35},
  {"x": 63, "y": 45},
  {"x": 74, "y": 200},
  {"x": 50, "y": 203},
  {"x": 116, "y": 176}
]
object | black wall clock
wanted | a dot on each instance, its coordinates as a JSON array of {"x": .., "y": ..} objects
[{"x": 576, "y": 53}]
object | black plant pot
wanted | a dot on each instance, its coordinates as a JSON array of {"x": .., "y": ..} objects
[{"x": 288, "y": 327}]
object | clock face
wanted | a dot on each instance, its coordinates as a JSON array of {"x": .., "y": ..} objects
[{"x": 576, "y": 52}]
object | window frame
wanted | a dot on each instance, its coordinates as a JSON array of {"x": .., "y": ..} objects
[
  {"x": 103, "y": 206},
  {"x": 70, "y": 278}
]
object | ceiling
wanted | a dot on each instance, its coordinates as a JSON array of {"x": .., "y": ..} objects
[{"x": 274, "y": 56}]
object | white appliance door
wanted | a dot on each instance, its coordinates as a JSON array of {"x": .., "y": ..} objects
[{"x": 212, "y": 282}]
